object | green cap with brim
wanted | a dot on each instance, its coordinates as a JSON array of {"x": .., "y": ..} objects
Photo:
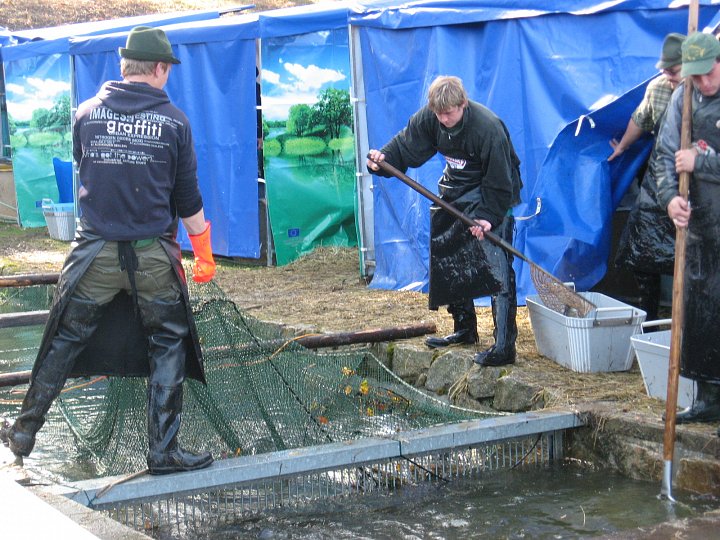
[
  {"x": 148, "y": 44},
  {"x": 699, "y": 52}
]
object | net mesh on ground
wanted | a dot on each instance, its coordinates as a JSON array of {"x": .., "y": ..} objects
[{"x": 265, "y": 392}]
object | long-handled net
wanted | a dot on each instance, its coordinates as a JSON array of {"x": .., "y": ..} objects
[{"x": 553, "y": 292}]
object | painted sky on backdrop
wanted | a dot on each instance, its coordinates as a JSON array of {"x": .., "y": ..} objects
[
  {"x": 296, "y": 68},
  {"x": 35, "y": 83}
]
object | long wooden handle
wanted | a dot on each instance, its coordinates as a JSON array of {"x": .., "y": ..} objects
[
  {"x": 678, "y": 307},
  {"x": 495, "y": 239}
]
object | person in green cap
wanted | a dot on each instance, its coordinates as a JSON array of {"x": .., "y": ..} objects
[
  {"x": 121, "y": 305},
  {"x": 699, "y": 358},
  {"x": 647, "y": 243}
]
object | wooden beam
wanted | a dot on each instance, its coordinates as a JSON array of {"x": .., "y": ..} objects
[
  {"x": 15, "y": 378},
  {"x": 27, "y": 318},
  {"x": 26, "y": 280},
  {"x": 367, "y": 336}
]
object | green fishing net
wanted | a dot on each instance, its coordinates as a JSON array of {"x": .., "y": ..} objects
[{"x": 265, "y": 392}]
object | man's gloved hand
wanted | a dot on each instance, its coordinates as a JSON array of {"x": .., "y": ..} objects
[{"x": 204, "y": 267}]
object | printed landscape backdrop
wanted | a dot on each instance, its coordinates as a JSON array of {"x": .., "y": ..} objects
[
  {"x": 38, "y": 105},
  {"x": 308, "y": 141}
]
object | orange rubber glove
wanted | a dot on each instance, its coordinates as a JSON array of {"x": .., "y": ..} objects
[{"x": 204, "y": 267}]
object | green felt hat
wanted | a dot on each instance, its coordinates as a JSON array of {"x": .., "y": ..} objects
[
  {"x": 671, "y": 51},
  {"x": 149, "y": 44}
]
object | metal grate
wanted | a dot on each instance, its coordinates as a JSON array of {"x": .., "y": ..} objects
[{"x": 188, "y": 504}]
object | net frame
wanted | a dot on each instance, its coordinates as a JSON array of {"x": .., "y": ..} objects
[{"x": 558, "y": 296}]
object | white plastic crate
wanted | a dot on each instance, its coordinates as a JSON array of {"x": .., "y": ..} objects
[
  {"x": 653, "y": 354},
  {"x": 598, "y": 342},
  {"x": 60, "y": 219}
]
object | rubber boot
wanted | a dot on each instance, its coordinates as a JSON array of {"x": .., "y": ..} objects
[
  {"x": 464, "y": 327},
  {"x": 165, "y": 455},
  {"x": 649, "y": 289},
  {"x": 77, "y": 324},
  {"x": 504, "y": 311},
  {"x": 167, "y": 327},
  {"x": 502, "y": 352},
  {"x": 705, "y": 407}
]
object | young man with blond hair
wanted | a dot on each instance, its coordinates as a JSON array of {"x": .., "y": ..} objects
[{"x": 481, "y": 179}]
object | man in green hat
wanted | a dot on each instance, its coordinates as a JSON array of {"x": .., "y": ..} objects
[
  {"x": 121, "y": 305},
  {"x": 647, "y": 243},
  {"x": 699, "y": 214}
]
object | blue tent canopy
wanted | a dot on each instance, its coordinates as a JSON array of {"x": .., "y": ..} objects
[
  {"x": 9, "y": 38},
  {"x": 424, "y": 13},
  {"x": 215, "y": 86},
  {"x": 545, "y": 68}
]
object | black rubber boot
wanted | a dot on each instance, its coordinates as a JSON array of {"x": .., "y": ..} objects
[
  {"x": 166, "y": 324},
  {"x": 77, "y": 324},
  {"x": 464, "y": 327},
  {"x": 165, "y": 455},
  {"x": 502, "y": 352},
  {"x": 504, "y": 310},
  {"x": 649, "y": 289},
  {"x": 705, "y": 407}
]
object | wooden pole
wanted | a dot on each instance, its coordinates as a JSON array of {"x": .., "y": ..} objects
[
  {"x": 317, "y": 341},
  {"x": 15, "y": 378},
  {"x": 367, "y": 336},
  {"x": 678, "y": 305},
  {"x": 25, "y": 280},
  {"x": 26, "y": 318}
]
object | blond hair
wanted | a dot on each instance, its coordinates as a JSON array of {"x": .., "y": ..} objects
[
  {"x": 130, "y": 67},
  {"x": 446, "y": 92}
]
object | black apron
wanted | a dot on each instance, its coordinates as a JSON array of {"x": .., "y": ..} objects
[{"x": 119, "y": 347}]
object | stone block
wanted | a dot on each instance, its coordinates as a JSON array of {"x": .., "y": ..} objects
[
  {"x": 446, "y": 369},
  {"x": 408, "y": 362},
  {"x": 515, "y": 395},
  {"x": 482, "y": 380}
]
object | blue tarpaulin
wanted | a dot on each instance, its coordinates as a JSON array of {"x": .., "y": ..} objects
[{"x": 564, "y": 76}]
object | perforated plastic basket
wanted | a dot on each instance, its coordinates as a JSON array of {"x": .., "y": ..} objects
[
  {"x": 60, "y": 219},
  {"x": 598, "y": 342},
  {"x": 653, "y": 354}
]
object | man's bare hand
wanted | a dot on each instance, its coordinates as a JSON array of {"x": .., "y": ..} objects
[
  {"x": 479, "y": 230},
  {"x": 679, "y": 211},
  {"x": 685, "y": 160},
  {"x": 617, "y": 149},
  {"x": 375, "y": 157}
]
